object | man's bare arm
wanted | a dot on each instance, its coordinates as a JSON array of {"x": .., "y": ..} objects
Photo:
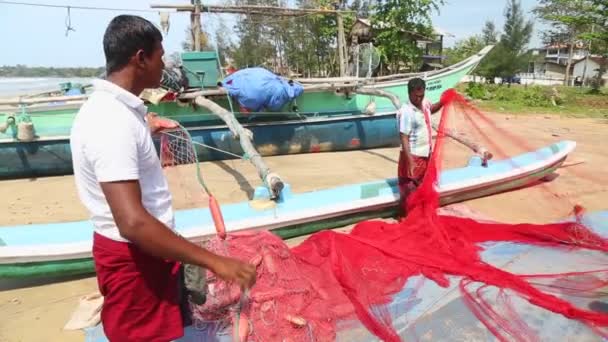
[
  {"x": 436, "y": 107},
  {"x": 405, "y": 142},
  {"x": 153, "y": 237}
]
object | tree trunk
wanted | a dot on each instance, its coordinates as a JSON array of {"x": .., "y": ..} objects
[
  {"x": 340, "y": 45},
  {"x": 569, "y": 64}
]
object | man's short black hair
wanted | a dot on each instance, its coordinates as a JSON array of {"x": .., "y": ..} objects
[
  {"x": 124, "y": 36},
  {"x": 415, "y": 84}
]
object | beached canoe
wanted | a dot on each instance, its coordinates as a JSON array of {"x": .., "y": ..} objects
[
  {"x": 65, "y": 248},
  {"x": 424, "y": 309}
]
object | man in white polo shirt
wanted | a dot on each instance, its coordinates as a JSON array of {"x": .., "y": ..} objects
[
  {"x": 414, "y": 119},
  {"x": 120, "y": 181}
]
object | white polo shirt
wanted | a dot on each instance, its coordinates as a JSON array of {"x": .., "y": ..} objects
[
  {"x": 110, "y": 141},
  {"x": 413, "y": 123}
]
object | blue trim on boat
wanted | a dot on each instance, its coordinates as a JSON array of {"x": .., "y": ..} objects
[{"x": 69, "y": 232}]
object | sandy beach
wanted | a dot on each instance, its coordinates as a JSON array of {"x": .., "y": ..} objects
[{"x": 38, "y": 312}]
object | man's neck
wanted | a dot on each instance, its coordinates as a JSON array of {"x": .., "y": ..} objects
[
  {"x": 124, "y": 80},
  {"x": 419, "y": 107}
]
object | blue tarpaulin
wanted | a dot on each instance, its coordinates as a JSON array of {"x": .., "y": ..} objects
[{"x": 258, "y": 89}]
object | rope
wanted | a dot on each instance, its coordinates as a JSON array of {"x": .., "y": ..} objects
[
  {"x": 78, "y": 7},
  {"x": 207, "y": 146},
  {"x": 68, "y": 23}
]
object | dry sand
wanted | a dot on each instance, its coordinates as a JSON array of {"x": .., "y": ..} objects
[{"x": 38, "y": 312}]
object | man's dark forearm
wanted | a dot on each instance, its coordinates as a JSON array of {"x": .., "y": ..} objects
[
  {"x": 137, "y": 225},
  {"x": 436, "y": 107},
  {"x": 156, "y": 239},
  {"x": 405, "y": 142}
]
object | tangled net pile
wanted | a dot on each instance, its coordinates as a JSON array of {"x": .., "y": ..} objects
[{"x": 302, "y": 293}]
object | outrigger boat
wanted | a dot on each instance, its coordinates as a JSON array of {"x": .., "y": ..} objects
[{"x": 333, "y": 114}]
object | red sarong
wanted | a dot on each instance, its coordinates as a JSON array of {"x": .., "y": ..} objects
[
  {"x": 141, "y": 298},
  {"x": 408, "y": 184}
]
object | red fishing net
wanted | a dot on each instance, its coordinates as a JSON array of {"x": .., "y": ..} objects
[{"x": 334, "y": 281}]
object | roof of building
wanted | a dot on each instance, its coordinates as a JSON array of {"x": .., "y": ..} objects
[{"x": 597, "y": 59}]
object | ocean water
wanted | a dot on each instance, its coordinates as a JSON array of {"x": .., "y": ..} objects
[{"x": 13, "y": 86}]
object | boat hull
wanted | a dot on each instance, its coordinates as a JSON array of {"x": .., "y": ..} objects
[
  {"x": 56, "y": 119},
  {"x": 52, "y": 157},
  {"x": 325, "y": 121},
  {"x": 65, "y": 248}
]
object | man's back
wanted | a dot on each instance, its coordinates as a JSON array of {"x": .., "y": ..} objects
[{"x": 110, "y": 141}]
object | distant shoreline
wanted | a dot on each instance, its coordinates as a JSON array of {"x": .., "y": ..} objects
[
  {"x": 15, "y": 86},
  {"x": 25, "y": 71}
]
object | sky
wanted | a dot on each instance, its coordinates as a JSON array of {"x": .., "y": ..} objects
[{"x": 36, "y": 36}]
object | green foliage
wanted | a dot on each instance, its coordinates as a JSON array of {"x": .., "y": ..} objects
[
  {"x": 509, "y": 57},
  {"x": 531, "y": 96},
  {"x": 25, "y": 71},
  {"x": 598, "y": 33},
  {"x": 188, "y": 44},
  {"x": 517, "y": 31},
  {"x": 314, "y": 49},
  {"x": 489, "y": 34},
  {"x": 516, "y": 99},
  {"x": 362, "y": 8},
  {"x": 255, "y": 37},
  {"x": 575, "y": 20},
  {"x": 222, "y": 42},
  {"x": 477, "y": 91},
  {"x": 570, "y": 20},
  {"x": 597, "y": 81},
  {"x": 463, "y": 49},
  {"x": 304, "y": 45},
  {"x": 398, "y": 24},
  {"x": 307, "y": 45},
  {"x": 519, "y": 99}
]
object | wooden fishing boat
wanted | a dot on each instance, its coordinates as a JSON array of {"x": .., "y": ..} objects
[
  {"x": 65, "y": 248},
  {"x": 56, "y": 113},
  {"x": 422, "y": 308},
  {"x": 51, "y": 156},
  {"x": 326, "y": 120}
]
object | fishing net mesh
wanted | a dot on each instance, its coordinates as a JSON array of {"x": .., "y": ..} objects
[{"x": 352, "y": 286}]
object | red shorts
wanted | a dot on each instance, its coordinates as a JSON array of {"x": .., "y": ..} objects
[
  {"x": 141, "y": 293},
  {"x": 406, "y": 183}
]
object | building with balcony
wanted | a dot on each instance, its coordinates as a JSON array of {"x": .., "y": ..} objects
[
  {"x": 549, "y": 62},
  {"x": 363, "y": 31}
]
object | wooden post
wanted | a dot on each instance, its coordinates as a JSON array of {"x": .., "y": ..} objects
[
  {"x": 569, "y": 63},
  {"x": 441, "y": 49},
  {"x": 341, "y": 45},
  {"x": 196, "y": 25},
  {"x": 587, "y": 57}
]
